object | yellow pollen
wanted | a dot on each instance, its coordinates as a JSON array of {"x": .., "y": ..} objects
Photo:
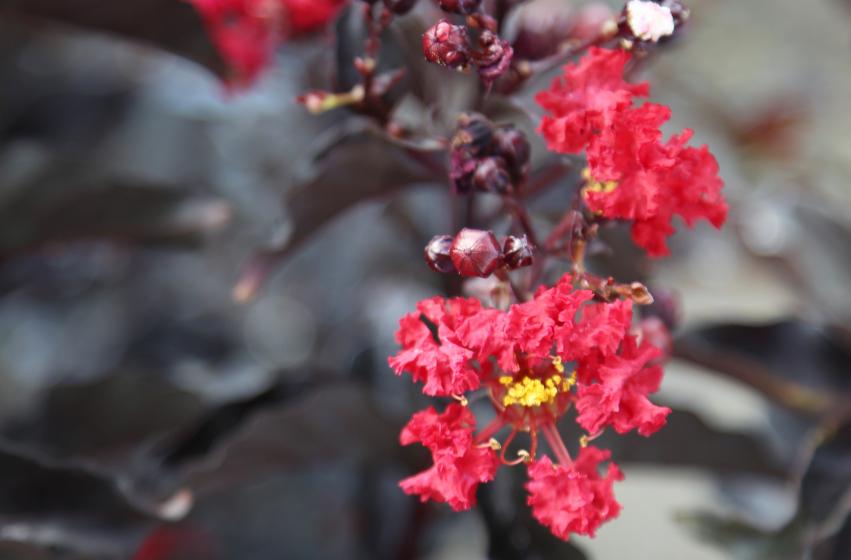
[
  {"x": 583, "y": 441},
  {"x": 557, "y": 363},
  {"x": 530, "y": 392},
  {"x": 597, "y": 186}
]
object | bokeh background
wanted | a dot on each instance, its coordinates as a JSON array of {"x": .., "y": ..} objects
[{"x": 144, "y": 413}]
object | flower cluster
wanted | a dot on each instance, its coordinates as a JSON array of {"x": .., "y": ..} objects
[
  {"x": 632, "y": 174},
  {"x": 535, "y": 362},
  {"x": 247, "y": 31}
]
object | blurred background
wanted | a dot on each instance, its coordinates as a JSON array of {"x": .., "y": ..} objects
[{"x": 146, "y": 414}]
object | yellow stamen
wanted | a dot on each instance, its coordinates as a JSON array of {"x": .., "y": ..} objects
[
  {"x": 593, "y": 185},
  {"x": 530, "y": 392},
  {"x": 462, "y": 400}
]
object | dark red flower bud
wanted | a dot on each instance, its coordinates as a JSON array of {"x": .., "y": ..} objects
[
  {"x": 400, "y": 7},
  {"x": 462, "y": 167},
  {"x": 511, "y": 145},
  {"x": 447, "y": 45},
  {"x": 476, "y": 253},
  {"x": 491, "y": 175},
  {"x": 459, "y": 6},
  {"x": 437, "y": 254},
  {"x": 474, "y": 134},
  {"x": 472, "y": 139},
  {"x": 517, "y": 252},
  {"x": 495, "y": 57}
]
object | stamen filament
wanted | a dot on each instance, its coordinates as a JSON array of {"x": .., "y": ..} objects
[
  {"x": 490, "y": 430},
  {"x": 556, "y": 444}
]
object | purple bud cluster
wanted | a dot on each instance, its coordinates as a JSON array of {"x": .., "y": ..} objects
[
  {"x": 476, "y": 252},
  {"x": 487, "y": 157}
]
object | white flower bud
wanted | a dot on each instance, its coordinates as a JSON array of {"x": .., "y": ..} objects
[{"x": 649, "y": 21}]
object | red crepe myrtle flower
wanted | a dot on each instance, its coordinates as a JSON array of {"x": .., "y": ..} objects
[
  {"x": 247, "y": 31},
  {"x": 632, "y": 174},
  {"x": 586, "y": 99},
  {"x": 459, "y": 464},
  {"x": 518, "y": 358},
  {"x": 573, "y": 498}
]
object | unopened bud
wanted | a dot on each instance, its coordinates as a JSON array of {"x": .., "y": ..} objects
[
  {"x": 400, "y": 7},
  {"x": 649, "y": 21},
  {"x": 447, "y": 45},
  {"x": 495, "y": 58},
  {"x": 459, "y": 6},
  {"x": 491, "y": 175},
  {"x": 473, "y": 134},
  {"x": 512, "y": 146},
  {"x": 475, "y": 253},
  {"x": 517, "y": 252},
  {"x": 437, "y": 254}
]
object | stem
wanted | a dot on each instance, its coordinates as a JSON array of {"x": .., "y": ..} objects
[
  {"x": 556, "y": 444},
  {"x": 490, "y": 430},
  {"x": 522, "y": 217}
]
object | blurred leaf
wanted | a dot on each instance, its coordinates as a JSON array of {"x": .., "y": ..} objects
[
  {"x": 824, "y": 498},
  {"x": 744, "y": 541},
  {"x": 106, "y": 418},
  {"x": 121, "y": 213},
  {"x": 836, "y": 547},
  {"x": 326, "y": 424},
  {"x": 687, "y": 441},
  {"x": 65, "y": 506},
  {"x": 353, "y": 168},
  {"x": 800, "y": 365},
  {"x": 172, "y": 25}
]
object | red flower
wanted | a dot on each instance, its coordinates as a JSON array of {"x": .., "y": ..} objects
[
  {"x": 573, "y": 498},
  {"x": 246, "y": 32},
  {"x": 459, "y": 464},
  {"x": 511, "y": 354},
  {"x": 442, "y": 363},
  {"x": 586, "y": 99},
  {"x": 633, "y": 175},
  {"x": 649, "y": 182},
  {"x": 619, "y": 398}
]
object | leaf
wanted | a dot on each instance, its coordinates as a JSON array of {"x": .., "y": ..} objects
[
  {"x": 687, "y": 441},
  {"x": 824, "y": 496},
  {"x": 107, "y": 418},
  {"x": 121, "y": 213},
  {"x": 326, "y": 424},
  {"x": 800, "y": 365},
  {"x": 65, "y": 506},
  {"x": 742, "y": 540},
  {"x": 353, "y": 168},
  {"x": 170, "y": 25}
]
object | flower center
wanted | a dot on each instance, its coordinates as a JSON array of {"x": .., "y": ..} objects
[
  {"x": 533, "y": 392},
  {"x": 593, "y": 185}
]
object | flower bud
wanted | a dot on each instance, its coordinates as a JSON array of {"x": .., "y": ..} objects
[
  {"x": 649, "y": 21},
  {"x": 474, "y": 134},
  {"x": 491, "y": 175},
  {"x": 447, "y": 45},
  {"x": 459, "y": 6},
  {"x": 512, "y": 146},
  {"x": 437, "y": 254},
  {"x": 475, "y": 253},
  {"x": 517, "y": 252},
  {"x": 495, "y": 57},
  {"x": 462, "y": 168},
  {"x": 400, "y": 7}
]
